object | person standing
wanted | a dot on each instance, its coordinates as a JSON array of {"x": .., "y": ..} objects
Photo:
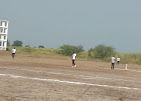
[
  {"x": 73, "y": 59},
  {"x": 113, "y": 63},
  {"x": 13, "y": 52},
  {"x": 118, "y": 60}
]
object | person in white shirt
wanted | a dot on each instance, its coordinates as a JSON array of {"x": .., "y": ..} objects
[
  {"x": 13, "y": 52},
  {"x": 118, "y": 60},
  {"x": 113, "y": 63},
  {"x": 73, "y": 59}
]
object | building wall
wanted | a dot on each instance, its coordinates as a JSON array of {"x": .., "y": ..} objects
[{"x": 3, "y": 34}]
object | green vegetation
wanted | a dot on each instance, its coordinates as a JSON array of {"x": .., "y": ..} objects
[
  {"x": 41, "y": 46},
  {"x": 17, "y": 43},
  {"x": 129, "y": 58},
  {"x": 36, "y": 51},
  {"x": 100, "y": 52},
  {"x": 68, "y": 50}
]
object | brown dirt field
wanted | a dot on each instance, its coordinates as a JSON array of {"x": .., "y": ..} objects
[{"x": 46, "y": 78}]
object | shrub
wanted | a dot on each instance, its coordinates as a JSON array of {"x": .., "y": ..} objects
[
  {"x": 68, "y": 50},
  {"x": 101, "y": 52},
  {"x": 17, "y": 43},
  {"x": 41, "y": 46}
]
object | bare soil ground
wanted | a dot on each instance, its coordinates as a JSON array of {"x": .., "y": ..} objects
[{"x": 42, "y": 78}]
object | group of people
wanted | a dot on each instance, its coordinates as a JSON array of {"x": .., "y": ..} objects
[{"x": 114, "y": 60}]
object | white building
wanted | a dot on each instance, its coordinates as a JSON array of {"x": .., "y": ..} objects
[{"x": 3, "y": 34}]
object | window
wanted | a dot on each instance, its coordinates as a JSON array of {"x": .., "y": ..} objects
[
  {"x": 3, "y": 43},
  {"x": 4, "y": 37},
  {"x": 0, "y": 43},
  {"x": 5, "y": 30},
  {"x": 5, "y": 23},
  {"x": 1, "y": 29}
]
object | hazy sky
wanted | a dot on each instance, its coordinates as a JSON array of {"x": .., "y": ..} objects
[{"x": 52, "y": 23}]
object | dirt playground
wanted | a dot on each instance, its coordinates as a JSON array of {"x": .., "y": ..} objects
[{"x": 49, "y": 78}]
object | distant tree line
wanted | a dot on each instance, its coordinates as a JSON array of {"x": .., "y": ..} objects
[
  {"x": 99, "y": 52},
  {"x": 19, "y": 43}
]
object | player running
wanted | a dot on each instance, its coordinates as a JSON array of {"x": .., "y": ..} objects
[
  {"x": 113, "y": 63},
  {"x": 13, "y": 52},
  {"x": 73, "y": 59}
]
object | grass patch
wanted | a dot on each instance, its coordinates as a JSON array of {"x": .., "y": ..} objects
[{"x": 129, "y": 58}]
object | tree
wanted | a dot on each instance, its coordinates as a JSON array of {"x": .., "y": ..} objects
[
  {"x": 17, "y": 43},
  {"x": 41, "y": 46},
  {"x": 68, "y": 50},
  {"x": 101, "y": 52}
]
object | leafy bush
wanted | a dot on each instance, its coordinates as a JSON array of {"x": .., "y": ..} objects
[
  {"x": 68, "y": 50},
  {"x": 17, "y": 43},
  {"x": 41, "y": 46},
  {"x": 101, "y": 52}
]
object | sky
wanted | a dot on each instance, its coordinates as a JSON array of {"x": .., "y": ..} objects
[{"x": 53, "y": 23}]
